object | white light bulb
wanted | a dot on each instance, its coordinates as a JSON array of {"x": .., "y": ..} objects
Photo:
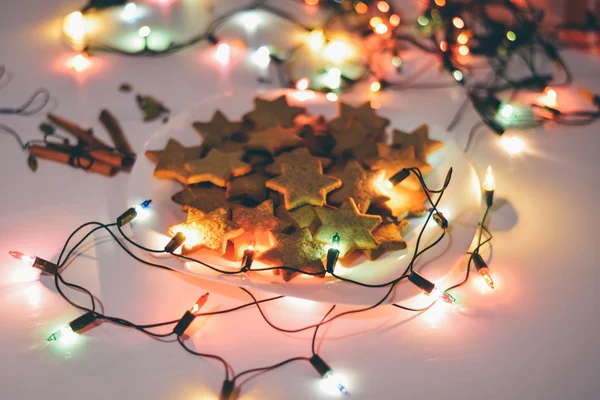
[
  {"x": 333, "y": 78},
  {"x": 130, "y": 12},
  {"x": 222, "y": 53},
  {"x": 334, "y": 383},
  {"x": 144, "y": 31},
  {"x": 251, "y": 20},
  {"x": 262, "y": 57}
]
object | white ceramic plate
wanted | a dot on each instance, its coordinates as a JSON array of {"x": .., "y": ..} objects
[{"x": 461, "y": 204}]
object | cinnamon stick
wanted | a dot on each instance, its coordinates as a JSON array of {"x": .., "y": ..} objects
[
  {"x": 77, "y": 131},
  {"x": 107, "y": 156},
  {"x": 80, "y": 161},
  {"x": 113, "y": 128}
]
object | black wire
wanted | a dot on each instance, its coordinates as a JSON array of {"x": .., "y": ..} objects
[
  {"x": 26, "y": 108},
  {"x": 314, "y": 338}
]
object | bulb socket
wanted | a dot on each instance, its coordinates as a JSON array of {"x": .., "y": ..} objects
[
  {"x": 126, "y": 217},
  {"x": 489, "y": 197},
  {"x": 82, "y": 321},
  {"x": 332, "y": 259},
  {"x": 46, "y": 267},
  {"x": 319, "y": 364},
  {"x": 424, "y": 284},
  {"x": 184, "y": 323},
  {"x": 247, "y": 260},
  {"x": 400, "y": 176},
  {"x": 227, "y": 390},
  {"x": 175, "y": 242},
  {"x": 439, "y": 218},
  {"x": 478, "y": 261}
]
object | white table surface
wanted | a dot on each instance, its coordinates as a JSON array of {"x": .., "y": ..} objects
[{"x": 533, "y": 337}]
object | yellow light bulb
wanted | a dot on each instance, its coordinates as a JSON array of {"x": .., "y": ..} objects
[
  {"x": 74, "y": 26},
  {"x": 311, "y": 2},
  {"x": 315, "y": 39},
  {"x": 303, "y": 84},
  {"x": 222, "y": 53},
  {"x": 394, "y": 20},
  {"x": 383, "y": 6},
  {"x": 489, "y": 183},
  {"x": 458, "y": 22},
  {"x": 375, "y": 86},
  {"x": 375, "y": 21},
  {"x": 331, "y": 96},
  {"x": 462, "y": 38},
  {"x": 381, "y": 29},
  {"x": 463, "y": 50},
  {"x": 337, "y": 51}
]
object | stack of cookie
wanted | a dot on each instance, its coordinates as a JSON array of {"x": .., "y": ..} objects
[{"x": 285, "y": 182}]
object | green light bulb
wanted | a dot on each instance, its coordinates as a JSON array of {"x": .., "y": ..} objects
[
  {"x": 423, "y": 20},
  {"x": 60, "y": 333},
  {"x": 510, "y": 35},
  {"x": 335, "y": 241}
]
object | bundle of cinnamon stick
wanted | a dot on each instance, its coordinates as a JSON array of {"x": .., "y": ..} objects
[{"x": 91, "y": 154}]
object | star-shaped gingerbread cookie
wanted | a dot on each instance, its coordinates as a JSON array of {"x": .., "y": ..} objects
[
  {"x": 251, "y": 186},
  {"x": 300, "y": 185},
  {"x": 218, "y": 129},
  {"x": 269, "y": 113},
  {"x": 297, "y": 251},
  {"x": 301, "y": 217},
  {"x": 211, "y": 231},
  {"x": 363, "y": 113},
  {"x": 171, "y": 160},
  {"x": 393, "y": 161},
  {"x": 258, "y": 223},
  {"x": 419, "y": 138},
  {"x": 300, "y": 157},
  {"x": 355, "y": 229},
  {"x": 319, "y": 143},
  {"x": 273, "y": 140},
  {"x": 350, "y": 137},
  {"x": 405, "y": 202},
  {"x": 389, "y": 237},
  {"x": 202, "y": 199},
  {"x": 360, "y": 185},
  {"x": 217, "y": 167}
]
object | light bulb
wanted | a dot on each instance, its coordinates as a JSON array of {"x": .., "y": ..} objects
[
  {"x": 489, "y": 183},
  {"x": 361, "y": 8},
  {"x": 142, "y": 210},
  {"x": 458, "y": 22},
  {"x": 334, "y": 78},
  {"x": 443, "y": 45},
  {"x": 550, "y": 98},
  {"x": 177, "y": 241},
  {"x": 458, "y": 75},
  {"x": 335, "y": 381},
  {"x": 423, "y": 20},
  {"x": 396, "y": 61},
  {"x": 375, "y": 22},
  {"x": 144, "y": 31},
  {"x": 381, "y": 29},
  {"x": 222, "y": 53},
  {"x": 510, "y": 35},
  {"x": 331, "y": 96},
  {"x": 311, "y": 2},
  {"x": 394, "y": 20},
  {"x": 315, "y": 39},
  {"x": 303, "y": 83},
  {"x": 262, "y": 57},
  {"x": 79, "y": 62},
  {"x": 76, "y": 325},
  {"x": 248, "y": 258},
  {"x": 440, "y": 3},
  {"x": 375, "y": 86},
  {"x": 463, "y": 38},
  {"x": 74, "y": 26},
  {"x": 483, "y": 269},
  {"x": 251, "y": 20},
  {"x": 440, "y": 294},
  {"x": 199, "y": 303},
  {"x": 383, "y": 6},
  {"x": 507, "y": 111},
  {"x": 63, "y": 332},
  {"x": 130, "y": 12},
  {"x": 337, "y": 51},
  {"x": 463, "y": 50},
  {"x": 429, "y": 288},
  {"x": 23, "y": 257}
]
